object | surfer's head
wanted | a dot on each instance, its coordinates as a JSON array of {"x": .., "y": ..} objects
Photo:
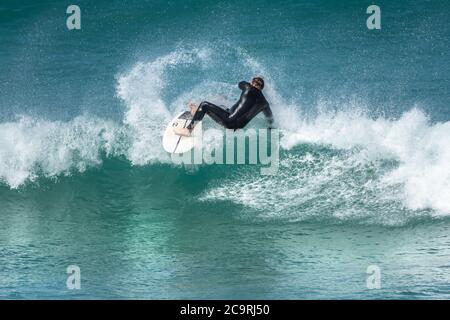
[{"x": 258, "y": 82}]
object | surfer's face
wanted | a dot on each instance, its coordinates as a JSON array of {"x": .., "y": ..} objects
[{"x": 256, "y": 84}]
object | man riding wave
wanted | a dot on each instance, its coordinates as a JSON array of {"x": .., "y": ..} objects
[{"x": 250, "y": 104}]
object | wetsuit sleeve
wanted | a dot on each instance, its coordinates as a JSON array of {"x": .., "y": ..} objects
[
  {"x": 245, "y": 103},
  {"x": 268, "y": 114},
  {"x": 243, "y": 85}
]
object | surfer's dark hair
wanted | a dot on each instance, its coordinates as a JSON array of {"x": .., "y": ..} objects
[{"x": 259, "y": 81}]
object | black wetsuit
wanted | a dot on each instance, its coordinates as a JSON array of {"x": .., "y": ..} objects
[{"x": 251, "y": 102}]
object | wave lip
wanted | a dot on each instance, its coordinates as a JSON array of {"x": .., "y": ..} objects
[{"x": 32, "y": 148}]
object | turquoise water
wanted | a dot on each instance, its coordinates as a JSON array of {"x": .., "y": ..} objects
[{"x": 364, "y": 176}]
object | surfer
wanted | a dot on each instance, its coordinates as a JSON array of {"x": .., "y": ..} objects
[{"x": 250, "y": 103}]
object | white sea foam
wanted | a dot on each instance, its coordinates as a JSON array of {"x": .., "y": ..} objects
[
  {"x": 373, "y": 169},
  {"x": 422, "y": 150},
  {"x": 30, "y": 148}
]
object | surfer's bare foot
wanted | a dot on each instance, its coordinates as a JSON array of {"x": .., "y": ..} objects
[
  {"x": 185, "y": 132},
  {"x": 193, "y": 107}
]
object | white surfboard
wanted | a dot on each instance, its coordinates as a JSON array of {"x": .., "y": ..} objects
[{"x": 174, "y": 143}]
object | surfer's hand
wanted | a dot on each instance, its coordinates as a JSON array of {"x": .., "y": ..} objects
[{"x": 192, "y": 104}]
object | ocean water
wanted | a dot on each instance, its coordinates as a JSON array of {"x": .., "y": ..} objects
[{"x": 364, "y": 175}]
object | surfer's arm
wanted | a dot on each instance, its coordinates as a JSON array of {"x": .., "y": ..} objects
[
  {"x": 242, "y": 106},
  {"x": 268, "y": 114},
  {"x": 243, "y": 85}
]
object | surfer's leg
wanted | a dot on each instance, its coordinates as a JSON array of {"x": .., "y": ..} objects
[{"x": 216, "y": 113}]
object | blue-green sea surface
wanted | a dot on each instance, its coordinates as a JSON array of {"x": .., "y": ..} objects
[{"x": 363, "y": 181}]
